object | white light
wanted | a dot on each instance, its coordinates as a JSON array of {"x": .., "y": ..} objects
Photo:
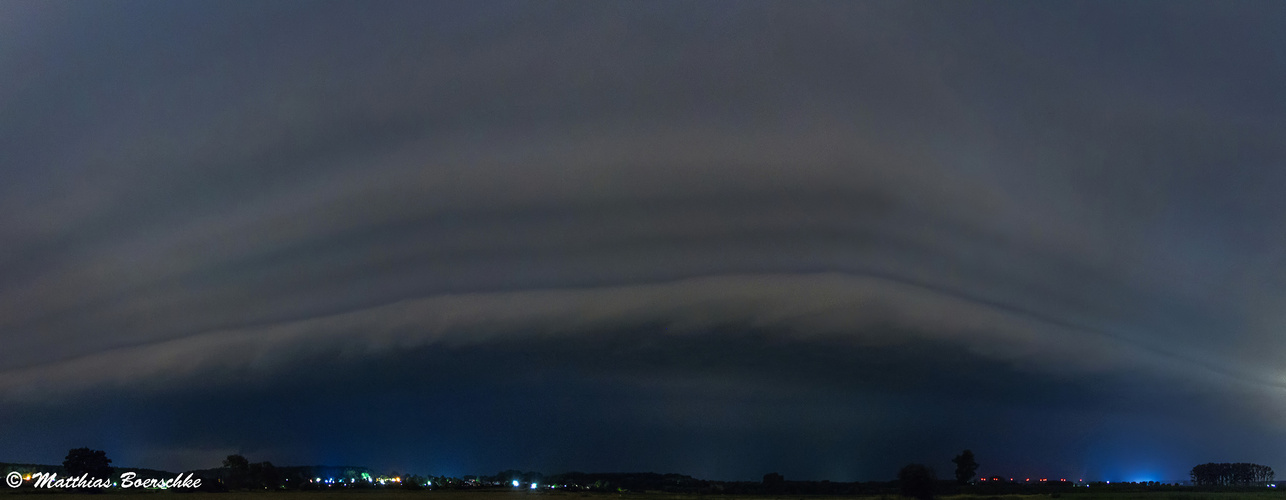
[
  {"x": 515, "y": 483},
  {"x": 533, "y": 486}
]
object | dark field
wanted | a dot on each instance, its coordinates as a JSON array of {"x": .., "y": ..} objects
[{"x": 510, "y": 495}]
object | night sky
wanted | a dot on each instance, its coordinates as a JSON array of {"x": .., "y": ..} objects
[{"x": 721, "y": 239}]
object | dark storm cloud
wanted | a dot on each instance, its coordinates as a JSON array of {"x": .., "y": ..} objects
[{"x": 206, "y": 195}]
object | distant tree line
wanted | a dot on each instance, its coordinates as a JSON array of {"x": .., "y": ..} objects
[
  {"x": 773, "y": 483},
  {"x": 239, "y": 473},
  {"x": 1225, "y": 474},
  {"x": 915, "y": 480}
]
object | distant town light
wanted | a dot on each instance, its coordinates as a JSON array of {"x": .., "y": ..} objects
[
  {"x": 515, "y": 483},
  {"x": 533, "y": 486}
]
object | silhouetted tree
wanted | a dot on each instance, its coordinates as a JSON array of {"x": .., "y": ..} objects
[
  {"x": 413, "y": 482},
  {"x": 82, "y": 461},
  {"x": 236, "y": 462},
  {"x": 774, "y": 482},
  {"x": 505, "y": 476},
  {"x": 916, "y": 480},
  {"x": 238, "y": 471},
  {"x": 966, "y": 467},
  {"x": 264, "y": 475}
]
